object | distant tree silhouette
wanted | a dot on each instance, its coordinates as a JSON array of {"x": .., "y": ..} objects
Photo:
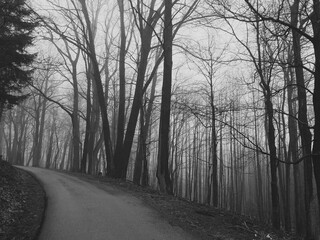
[{"x": 16, "y": 27}]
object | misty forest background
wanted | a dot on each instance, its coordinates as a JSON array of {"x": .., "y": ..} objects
[{"x": 239, "y": 108}]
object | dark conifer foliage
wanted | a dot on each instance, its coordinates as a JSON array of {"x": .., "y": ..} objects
[{"x": 16, "y": 27}]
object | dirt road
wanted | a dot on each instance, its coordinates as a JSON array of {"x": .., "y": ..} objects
[{"x": 78, "y": 210}]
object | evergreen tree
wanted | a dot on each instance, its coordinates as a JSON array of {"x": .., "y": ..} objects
[{"x": 16, "y": 26}]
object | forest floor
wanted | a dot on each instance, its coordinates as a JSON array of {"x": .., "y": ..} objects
[{"x": 22, "y": 204}]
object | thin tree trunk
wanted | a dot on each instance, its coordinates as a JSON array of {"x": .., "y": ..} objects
[
  {"x": 214, "y": 155},
  {"x": 88, "y": 127},
  {"x": 140, "y": 158},
  {"x": 50, "y": 144},
  {"x": 259, "y": 186},
  {"x": 293, "y": 154}
]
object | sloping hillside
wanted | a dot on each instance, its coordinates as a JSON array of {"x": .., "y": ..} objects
[{"x": 22, "y": 203}]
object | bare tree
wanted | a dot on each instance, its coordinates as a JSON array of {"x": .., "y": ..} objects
[
  {"x": 313, "y": 17},
  {"x": 163, "y": 175},
  {"x": 98, "y": 82}
]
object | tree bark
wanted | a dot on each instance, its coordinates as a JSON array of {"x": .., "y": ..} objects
[
  {"x": 163, "y": 175},
  {"x": 214, "y": 142},
  {"x": 146, "y": 33},
  {"x": 315, "y": 19},
  {"x": 88, "y": 127},
  {"x": 100, "y": 93},
  {"x": 122, "y": 93},
  {"x": 305, "y": 134},
  {"x": 270, "y": 131}
]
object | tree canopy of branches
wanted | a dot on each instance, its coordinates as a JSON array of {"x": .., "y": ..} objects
[{"x": 213, "y": 101}]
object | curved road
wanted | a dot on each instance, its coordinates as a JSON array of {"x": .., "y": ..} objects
[{"x": 79, "y": 210}]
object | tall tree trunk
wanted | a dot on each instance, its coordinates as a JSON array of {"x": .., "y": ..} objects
[
  {"x": 50, "y": 144},
  {"x": 64, "y": 152},
  {"x": 316, "y": 95},
  {"x": 287, "y": 188},
  {"x": 146, "y": 33},
  {"x": 214, "y": 155},
  {"x": 305, "y": 134},
  {"x": 146, "y": 126},
  {"x": 222, "y": 183},
  {"x": 259, "y": 185},
  {"x": 39, "y": 131},
  {"x": 270, "y": 131},
  {"x": 163, "y": 175},
  {"x": 293, "y": 146},
  {"x": 273, "y": 163},
  {"x": 141, "y": 157},
  {"x": 88, "y": 128},
  {"x": 122, "y": 92},
  {"x": 98, "y": 82},
  {"x": 75, "y": 122}
]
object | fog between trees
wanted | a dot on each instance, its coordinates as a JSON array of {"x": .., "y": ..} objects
[{"x": 242, "y": 130}]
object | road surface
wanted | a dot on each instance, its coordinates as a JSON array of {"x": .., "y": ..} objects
[{"x": 79, "y": 210}]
